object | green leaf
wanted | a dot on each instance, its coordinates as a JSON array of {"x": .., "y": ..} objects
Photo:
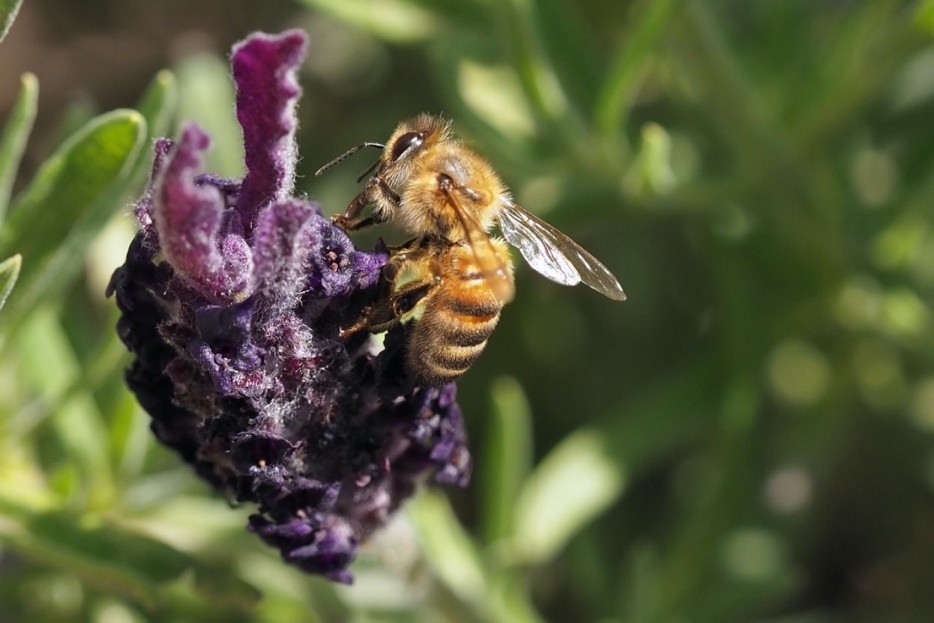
[
  {"x": 157, "y": 105},
  {"x": 447, "y": 547},
  {"x": 72, "y": 195},
  {"x": 206, "y": 97},
  {"x": 103, "y": 556},
  {"x": 494, "y": 94},
  {"x": 74, "y": 416},
  {"x": 8, "y": 11},
  {"x": 575, "y": 483},
  {"x": 118, "y": 558},
  {"x": 630, "y": 64},
  {"x": 15, "y": 134},
  {"x": 393, "y": 20},
  {"x": 507, "y": 458},
  {"x": 9, "y": 271},
  {"x": 537, "y": 75},
  {"x": 78, "y": 112},
  {"x": 924, "y": 16}
]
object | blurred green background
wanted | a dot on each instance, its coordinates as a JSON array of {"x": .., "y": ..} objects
[{"x": 747, "y": 438}]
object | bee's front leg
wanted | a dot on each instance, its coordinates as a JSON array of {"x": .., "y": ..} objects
[
  {"x": 376, "y": 191},
  {"x": 348, "y": 224}
]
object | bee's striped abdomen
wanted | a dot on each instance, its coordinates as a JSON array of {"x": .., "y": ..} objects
[{"x": 459, "y": 318}]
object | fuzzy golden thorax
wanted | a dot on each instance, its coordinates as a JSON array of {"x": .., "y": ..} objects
[{"x": 443, "y": 185}]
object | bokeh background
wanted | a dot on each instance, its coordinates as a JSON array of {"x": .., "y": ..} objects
[{"x": 747, "y": 438}]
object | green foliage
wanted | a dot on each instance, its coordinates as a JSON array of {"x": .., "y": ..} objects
[
  {"x": 748, "y": 437},
  {"x": 14, "y": 137},
  {"x": 68, "y": 201},
  {"x": 9, "y": 272},
  {"x": 8, "y": 11}
]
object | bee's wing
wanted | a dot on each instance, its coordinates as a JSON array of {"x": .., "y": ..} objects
[
  {"x": 495, "y": 270},
  {"x": 553, "y": 254}
]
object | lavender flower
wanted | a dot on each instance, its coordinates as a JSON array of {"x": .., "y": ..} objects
[{"x": 232, "y": 296}]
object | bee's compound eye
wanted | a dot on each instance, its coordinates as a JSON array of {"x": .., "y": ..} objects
[{"x": 406, "y": 141}]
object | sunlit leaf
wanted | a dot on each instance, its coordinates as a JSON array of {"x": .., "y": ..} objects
[
  {"x": 9, "y": 271},
  {"x": 575, "y": 483},
  {"x": 507, "y": 458},
  {"x": 80, "y": 427},
  {"x": 15, "y": 134},
  {"x": 924, "y": 15},
  {"x": 73, "y": 178},
  {"x": 119, "y": 561},
  {"x": 67, "y": 202},
  {"x": 630, "y": 64},
  {"x": 157, "y": 105},
  {"x": 394, "y": 20},
  {"x": 495, "y": 95},
  {"x": 447, "y": 547},
  {"x": 103, "y": 555},
  {"x": 8, "y": 11},
  {"x": 206, "y": 97},
  {"x": 536, "y": 74}
]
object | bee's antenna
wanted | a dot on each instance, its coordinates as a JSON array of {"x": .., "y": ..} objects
[{"x": 348, "y": 154}]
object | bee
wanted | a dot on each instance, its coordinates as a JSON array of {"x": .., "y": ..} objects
[{"x": 449, "y": 283}]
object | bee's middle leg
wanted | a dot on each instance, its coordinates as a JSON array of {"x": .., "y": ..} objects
[{"x": 389, "y": 310}]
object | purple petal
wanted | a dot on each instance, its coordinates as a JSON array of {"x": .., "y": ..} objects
[
  {"x": 332, "y": 265},
  {"x": 282, "y": 242},
  {"x": 325, "y": 546},
  {"x": 189, "y": 218},
  {"x": 143, "y": 208},
  {"x": 367, "y": 266},
  {"x": 264, "y": 68}
]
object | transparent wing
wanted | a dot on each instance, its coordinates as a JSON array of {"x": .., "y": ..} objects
[
  {"x": 495, "y": 271},
  {"x": 553, "y": 254}
]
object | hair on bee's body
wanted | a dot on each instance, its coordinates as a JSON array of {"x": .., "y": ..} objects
[
  {"x": 420, "y": 207},
  {"x": 451, "y": 281},
  {"x": 451, "y": 323}
]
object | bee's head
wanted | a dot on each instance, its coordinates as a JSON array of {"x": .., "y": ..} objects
[{"x": 411, "y": 136}]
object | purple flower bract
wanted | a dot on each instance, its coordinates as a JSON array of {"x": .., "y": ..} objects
[{"x": 232, "y": 297}]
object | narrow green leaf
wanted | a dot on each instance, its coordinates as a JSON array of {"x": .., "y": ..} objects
[
  {"x": 447, "y": 547},
  {"x": 206, "y": 97},
  {"x": 924, "y": 16},
  {"x": 78, "y": 174},
  {"x": 512, "y": 599},
  {"x": 130, "y": 437},
  {"x": 15, "y": 134},
  {"x": 544, "y": 91},
  {"x": 9, "y": 271},
  {"x": 72, "y": 195},
  {"x": 507, "y": 458},
  {"x": 494, "y": 94},
  {"x": 80, "y": 428},
  {"x": 8, "y": 11},
  {"x": 105, "y": 556},
  {"x": 393, "y": 20},
  {"x": 157, "y": 105},
  {"x": 630, "y": 63},
  {"x": 575, "y": 483},
  {"x": 120, "y": 560},
  {"x": 77, "y": 113}
]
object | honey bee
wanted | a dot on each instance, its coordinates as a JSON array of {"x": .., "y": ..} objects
[{"x": 450, "y": 282}]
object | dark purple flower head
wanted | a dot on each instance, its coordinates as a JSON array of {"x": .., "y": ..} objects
[{"x": 232, "y": 297}]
